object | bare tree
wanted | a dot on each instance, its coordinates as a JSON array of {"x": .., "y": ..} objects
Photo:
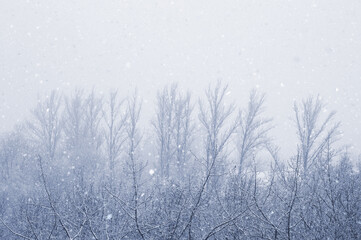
[
  {"x": 184, "y": 129},
  {"x": 313, "y": 133},
  {"x": 132, "y": 207},
  {"x": 313, "y": 195},
  {"x": 134, "y": 165},
  {"x": 82, "y": 134},
  {"x": 47, "y": 125},
  {"x": 12, "y": 146},
  {"x": 253, "y": 129},
  {"x": 93, "y": 110},
  {"x": 164, "y": 127},
  {"x": 73, "y": 119},
  {"x": 213, "y": 117},
  {"x": 173, "y": 128},
  {"x": 115, "y": 118}
]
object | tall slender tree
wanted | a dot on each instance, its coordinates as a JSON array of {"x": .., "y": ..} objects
[{"x": 47, "y": 124}]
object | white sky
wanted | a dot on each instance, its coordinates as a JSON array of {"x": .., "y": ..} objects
[{"x": 289, "y": 49}]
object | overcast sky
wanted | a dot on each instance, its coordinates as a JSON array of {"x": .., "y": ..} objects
[{"x": 287, "y": 49}]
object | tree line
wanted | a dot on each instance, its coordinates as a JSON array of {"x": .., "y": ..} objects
[{"x": 84, "y": 168}]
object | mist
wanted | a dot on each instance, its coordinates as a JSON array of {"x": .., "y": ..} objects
[{"x": 160, "y": 63}]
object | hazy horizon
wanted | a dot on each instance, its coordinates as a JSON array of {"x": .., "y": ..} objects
[{"x": 286, "y": 49}]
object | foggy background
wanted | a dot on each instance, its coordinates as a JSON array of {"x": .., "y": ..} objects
[{"x": 287, "y": 49}]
